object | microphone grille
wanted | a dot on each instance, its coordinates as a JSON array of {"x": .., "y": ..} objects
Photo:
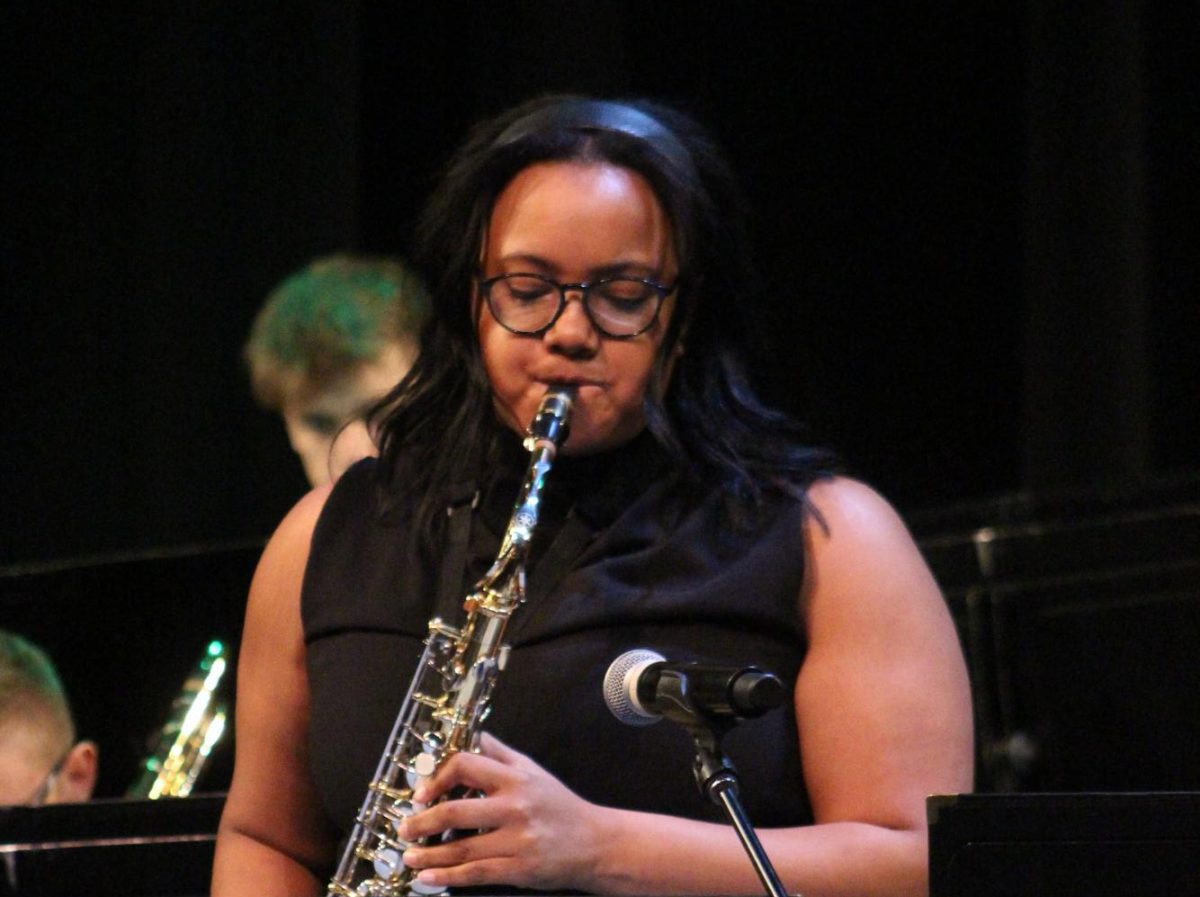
[{"x": 620, "y": 686}]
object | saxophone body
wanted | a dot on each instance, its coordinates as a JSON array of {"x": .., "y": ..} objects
[{"x": 450, "y": 693}]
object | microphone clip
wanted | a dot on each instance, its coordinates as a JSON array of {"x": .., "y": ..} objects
[{"x": 675, "y": 699}]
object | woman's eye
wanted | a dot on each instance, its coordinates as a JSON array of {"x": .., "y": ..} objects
[
  {"x": 627, "y": 294},
  {"x": 527, "y": 289},
  {"x": 527, "y": 295}
]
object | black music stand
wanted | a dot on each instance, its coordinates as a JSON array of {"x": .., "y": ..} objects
[
  {"x": 1065, "y": 845},
  {"x": 148, "y": 848}
]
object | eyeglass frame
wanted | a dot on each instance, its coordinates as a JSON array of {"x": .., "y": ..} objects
[
  {"x": 39, "y": 796},
  {"x": 662, "y": 291}
]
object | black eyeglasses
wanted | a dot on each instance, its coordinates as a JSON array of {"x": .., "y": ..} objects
[
  {"x": 43, "y": 792},
  {"x": 619, "y": 307}
]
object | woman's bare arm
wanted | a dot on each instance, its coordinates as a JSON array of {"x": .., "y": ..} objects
[{"x": 273, "y": 832}]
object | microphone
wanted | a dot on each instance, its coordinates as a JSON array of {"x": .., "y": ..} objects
[{"x": 641, "y": 686}]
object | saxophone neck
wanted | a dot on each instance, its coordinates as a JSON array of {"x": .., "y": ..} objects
[{"x": 527, "y": 510}]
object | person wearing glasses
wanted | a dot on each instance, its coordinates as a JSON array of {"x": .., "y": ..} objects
[
  {"x": 41, "y": 762},
  {"x": 597, "y": 244},
  {"x": 329, "y": 341}
]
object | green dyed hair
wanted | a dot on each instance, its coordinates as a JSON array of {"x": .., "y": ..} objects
[
  {"x": 325, "y": 320},
  {"x": 30, "y": 689}
]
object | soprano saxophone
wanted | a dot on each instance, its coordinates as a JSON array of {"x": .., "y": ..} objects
[{"x": 451, "y": 690}]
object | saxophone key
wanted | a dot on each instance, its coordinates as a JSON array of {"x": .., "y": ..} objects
[
  {"x": 422, "y": 767},
  {"x": 426, "y": 890},
  {"x": 439, "y": 628},
  {"x": 426, "y": 700},
  {"x": 387, "y": 863},
  {"x": 390, "y": 791}
]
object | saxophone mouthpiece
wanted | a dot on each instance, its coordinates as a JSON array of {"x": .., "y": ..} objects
[{"x": 551, "y": 424}]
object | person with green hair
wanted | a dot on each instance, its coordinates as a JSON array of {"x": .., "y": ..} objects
[
  {"x": 41, "y": 762},
  {"x": 331, "y": 340}
]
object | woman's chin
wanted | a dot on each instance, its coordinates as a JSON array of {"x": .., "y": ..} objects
[{"x": 588, "y": 439}]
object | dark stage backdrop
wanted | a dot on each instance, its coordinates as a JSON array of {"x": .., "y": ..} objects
[{"x": 974, "y": 222}]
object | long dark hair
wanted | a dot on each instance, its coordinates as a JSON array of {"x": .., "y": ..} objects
[{"x": 705, "y": 415}]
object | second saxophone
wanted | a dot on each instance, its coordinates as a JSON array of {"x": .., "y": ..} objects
[{"x": 451, "y": 689}]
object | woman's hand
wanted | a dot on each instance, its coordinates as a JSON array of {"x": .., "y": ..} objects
[{"x": 535, "y": 832}]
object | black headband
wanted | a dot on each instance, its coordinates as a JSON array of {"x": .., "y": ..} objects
[{"x": 601, "y": 115}]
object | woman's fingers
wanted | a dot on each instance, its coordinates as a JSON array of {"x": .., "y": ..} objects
[
  {"x": 460, "y": 850},
  {"x": 468, "y": 814},
  {"x": 531, "y": 830},
  {"x": 488, "y": 871},
  {"x": 491, "y": 746},
  {"x": 476, "y": 772}
]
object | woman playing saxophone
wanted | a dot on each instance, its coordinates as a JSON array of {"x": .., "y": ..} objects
[{"x": 596, "y": 245}]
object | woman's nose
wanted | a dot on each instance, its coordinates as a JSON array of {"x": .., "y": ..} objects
[{"x": 573, "y": 333}]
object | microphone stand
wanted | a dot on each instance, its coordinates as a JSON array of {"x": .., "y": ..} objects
[
  {"x": 715, "y": 775},
  {"x": 717, "y": 780}
]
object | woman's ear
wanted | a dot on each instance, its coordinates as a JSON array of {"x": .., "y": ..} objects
[{"x": 77, "y": 776}]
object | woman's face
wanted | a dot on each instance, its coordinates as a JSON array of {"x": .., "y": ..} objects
[{"x": 576, "y": 222}]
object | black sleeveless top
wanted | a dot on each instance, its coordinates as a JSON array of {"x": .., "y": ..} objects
[{"x": 620, "y": 561}]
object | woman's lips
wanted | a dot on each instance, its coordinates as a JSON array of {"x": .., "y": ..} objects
[{"x": 576, "y": 382}]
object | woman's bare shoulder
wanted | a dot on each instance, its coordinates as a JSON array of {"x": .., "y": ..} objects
[
  {"x": 301, "y": 520},
  {"x": 843, "y": 508},
  {"x": 858, "y": 547},
  {"x": 281, "y": 568}
]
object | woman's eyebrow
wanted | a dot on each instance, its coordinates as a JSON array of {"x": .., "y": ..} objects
[
  {"x": 535, "y": 261},
  {"x": 626, "y": 268},
  {"x": 611, "y": 269}
]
